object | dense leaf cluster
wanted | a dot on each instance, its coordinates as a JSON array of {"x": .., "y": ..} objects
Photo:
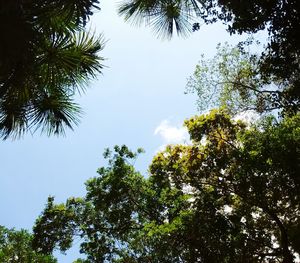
[
  {"x": 46, "y": 56},
  {"x": 16, "y": 247},
  {"x": 230, "y": 196}
]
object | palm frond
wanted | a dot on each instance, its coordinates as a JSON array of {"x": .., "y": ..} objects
[
  {"x": 68, "y": 62},
  {"x": 62, "y": 15},
  {"x": 165, "y": 16},
  {"x": 16, "y": 93},
  {"x": 174, "y": 16},
  {"x": 13, "y": 119},
  {"x": 53, "y": 113},
  {"x": 139, "y": 11},
  {"x": 46, "y": 57}
]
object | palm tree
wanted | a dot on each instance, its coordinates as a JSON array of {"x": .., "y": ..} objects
[
  {"x": 165, "y": 16},
  {"x": 46, "y": 57}
]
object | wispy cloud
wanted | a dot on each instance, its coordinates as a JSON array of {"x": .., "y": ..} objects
[{"x": 171, "y": 134}]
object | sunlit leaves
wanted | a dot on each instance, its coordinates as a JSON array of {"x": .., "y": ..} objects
[
  {"x": 231, "y": 80},
  {"x": 231, "y": 196},
  {"x": 15, "y": 246}
]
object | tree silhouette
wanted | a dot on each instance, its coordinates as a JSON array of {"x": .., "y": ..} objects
[{"x": 46, "y": 57}]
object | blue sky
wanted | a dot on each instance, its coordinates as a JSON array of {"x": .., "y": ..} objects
[{"x": 138, "y": 101}]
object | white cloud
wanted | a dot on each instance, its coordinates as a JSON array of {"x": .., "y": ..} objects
[{"x": 171, "y": 134}]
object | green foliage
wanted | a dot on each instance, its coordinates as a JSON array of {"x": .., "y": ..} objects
[
  {"x": 230, "y": 196},
  {"x": 232, "y": 79},
  {"x": 166, "y": 17},
  {"x": 46, "y": 57},
  {"x": 15, "y": 247},
  {"x": 59, "y": 224}
]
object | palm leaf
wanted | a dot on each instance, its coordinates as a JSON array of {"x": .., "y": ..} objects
[
  {"x": 53, "y": 113},
  {"x": 165, "y": 16},
  {"x": 68, "y": 62}
]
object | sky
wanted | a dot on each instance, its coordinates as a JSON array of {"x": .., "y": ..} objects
[{"x": 138, "y": 100}]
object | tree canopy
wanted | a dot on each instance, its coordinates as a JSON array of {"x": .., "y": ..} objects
[
  {"x": 46, "y": 57},
  {"x": 230, "y": 196},
  {"x": 232, "y": 79},
  {"x": 16, "y": 247}
]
